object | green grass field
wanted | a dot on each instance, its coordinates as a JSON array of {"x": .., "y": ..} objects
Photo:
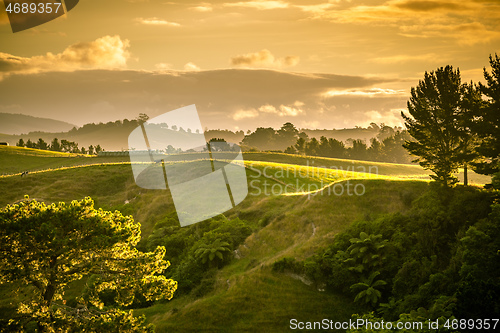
[
  {"x": 15, "y": 160},
  {"x": 247, "y": 296}
]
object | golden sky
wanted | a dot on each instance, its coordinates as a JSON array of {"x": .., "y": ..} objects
[{"x": 316, "y": 63}]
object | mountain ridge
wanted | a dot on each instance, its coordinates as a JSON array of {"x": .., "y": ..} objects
[{"x": 21, "y": 124}]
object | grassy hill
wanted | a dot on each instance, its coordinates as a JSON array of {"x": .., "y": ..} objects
[
  {"x": 111, "y": 136},
  {"x": 246, "y": 294},
  {"x": 15, "y": 160},
  {"x": 114, "y": 135}
]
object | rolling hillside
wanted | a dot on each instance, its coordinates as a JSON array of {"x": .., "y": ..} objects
[
  {"x": 15, "y": 160},
  {"x": 284, "y": 226}
]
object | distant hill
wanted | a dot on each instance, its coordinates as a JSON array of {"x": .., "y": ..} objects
[
  {"x": 114, "y": 135},
  {"x": 11, "y": 123},
  {"x": 111, "y": 136}
]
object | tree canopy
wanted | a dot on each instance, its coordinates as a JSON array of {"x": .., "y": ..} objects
[{"x": 43, "y": 248}]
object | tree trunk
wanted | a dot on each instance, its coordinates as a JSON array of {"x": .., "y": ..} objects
[{"x": 466, "y": 180}]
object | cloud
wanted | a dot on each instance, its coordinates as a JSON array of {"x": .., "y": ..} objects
[
  {"x": 467, "y": 22},
  {"x": 244, "y": 114},
  {"x": 431, "y": 5},
  {"x": 373, "y": 92},
  {"x": 317, "y": 8},
  {"x": 390, "y": 117},
  {"x": 224, "y": 98},
  {"x": 203, "y": 7},
  {"x": 464, "y": 33},
  {"x": 404, "y": 58},
  {"x": 104, "y": 52},
  {"x": 163, "y": 66},
  {"x": 397, "y": 10},
  {"x": 260, "y": 5},
  {"x": 283, "y": 110},
  {"x": 156, "y": 21},
  {"x": 191, "y": 67},
  {"x": 263, "y": 59}
]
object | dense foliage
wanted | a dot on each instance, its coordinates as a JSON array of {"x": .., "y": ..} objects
[
  {"x": 197, "y": 251},
  {"x": 439, "y": 260},
  {"x": 62, "y": 146},
  {"x": 45, "y": 248},
  {"x": 385, "y": 148}
]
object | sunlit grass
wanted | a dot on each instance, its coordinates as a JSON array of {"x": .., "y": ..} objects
[
  {"x": 13, "y": 150},
  {"x": 306, "y": 180},
  {"x": 247, "y": 294}
]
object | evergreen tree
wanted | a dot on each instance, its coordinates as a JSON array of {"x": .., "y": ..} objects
[
  {"x": 324, "y": 147},
  {"x": 20, "y": 143},
  {"x": 358, "y": 151},
  {"x": 337, "y": 148},
  {"x": 300, "y": 145},
  {"x": 435, "y": 107},
  {"x": 312, "y": 147},
  {"x": 263, "y": 138},
  {"x": 41, "y": 144},
  {"x": 287, "y": 136},
  {"x": 375, "y": 152},
  {"x": 66, "y": 145},
  {"x": 488, "y": 123},
  {"x": 393, "y": 149},
  {"x": 55, "y": 145}
]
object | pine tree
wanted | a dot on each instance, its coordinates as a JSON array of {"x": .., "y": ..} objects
[
  {"x": 488, "y": 123},
  {"x": 55, "y": 145},
  {"x": 436, "y": 111},
  {"x": 300, "y": 145},
  {"x": 41, "y": 144}
]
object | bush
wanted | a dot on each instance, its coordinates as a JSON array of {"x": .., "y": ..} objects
[
  {"x": 288, "y": 264},
  {"x": 446, "y": 247}
]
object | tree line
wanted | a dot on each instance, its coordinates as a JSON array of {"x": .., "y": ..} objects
[
  {"x": 389, "y": 149},
  {"x": 386, "y": 147},
  {"x": 63, "y": 146}
]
